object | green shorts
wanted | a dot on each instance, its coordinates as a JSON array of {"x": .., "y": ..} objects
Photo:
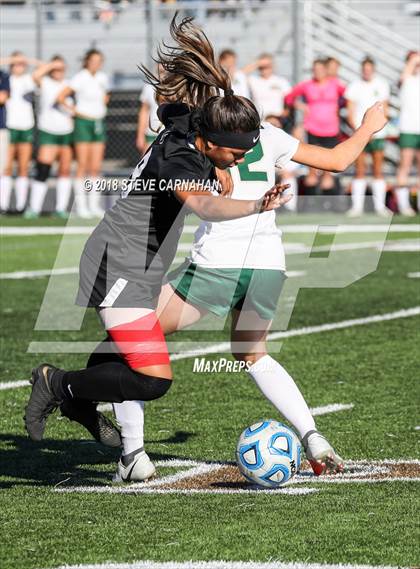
[
  {"x": 21, "y": 136},
  {"x": 375, "y": 145},
  {"x": 221, "y": 290},
  {"x": 50, "y": 139},
  {"x": 150, "y": 138},
  {"x": 88, "y": 130},
  {"x": 408, "y": 140}
]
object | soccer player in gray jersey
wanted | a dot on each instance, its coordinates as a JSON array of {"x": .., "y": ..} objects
[{"x": 126, "y": 257}]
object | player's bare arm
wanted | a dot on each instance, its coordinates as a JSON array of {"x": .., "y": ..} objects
[{"x": 339, "y": 158}]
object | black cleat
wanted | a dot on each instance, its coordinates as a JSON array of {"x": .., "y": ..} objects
[
  {"x": 100, "y": 427},
  {"x": 42, "y": 401}
]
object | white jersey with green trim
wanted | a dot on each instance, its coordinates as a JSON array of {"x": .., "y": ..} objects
[
  {"x": 255, "y": 241},
  {"x": 53, "y": 118}
]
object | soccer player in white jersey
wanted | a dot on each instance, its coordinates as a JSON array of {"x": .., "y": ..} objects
[
  {"x": 239, "y": 266},
  {"x": 55, "y": 125},
  {"x": 360, "y": 95},
  {"x": 20, "y": 122},
  {"x": 148, "y": 123},
  {"x": 268, "y": 90},
  {"x": 228, "y": 60},
  {"x": 90, "y": 88},
  {"x": 409, "y": 131}
]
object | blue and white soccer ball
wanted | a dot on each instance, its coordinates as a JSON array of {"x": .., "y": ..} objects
[{"x": 268, "y": 453}]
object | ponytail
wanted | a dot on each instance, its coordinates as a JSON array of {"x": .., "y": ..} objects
[{"x": 191, "y": 75}]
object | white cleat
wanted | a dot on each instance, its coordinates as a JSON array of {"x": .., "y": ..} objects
[
  {"x": 139, "y": 470},
  {"x": 354, "y": 212},
  {"x": 384, "y": 212},
  {"x": 321, "y": 455},
  {"x": 408, "y": 212}
]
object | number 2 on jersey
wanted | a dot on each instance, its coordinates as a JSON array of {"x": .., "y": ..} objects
[{"x": 251, "y": 157}]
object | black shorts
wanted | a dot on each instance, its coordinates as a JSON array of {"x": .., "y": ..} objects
[{"x": 324, "y": 141}]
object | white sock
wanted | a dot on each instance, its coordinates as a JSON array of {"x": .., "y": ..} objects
[
  {"x": 80, "y": 197},
  {"x": 21, "y": 189},
  {"x": 130, "y": 417},
  {"x": 5, "y": 192},
  {"x": 379, "y": 193},
  {"x": 63, "y": 192},
  {"x": 280, "y": 389},
  {"x": 403, "y": 198},
  {"x": 292, "y": 204},
  {"x": 38, "y": 191},
  {"x": 95, "y": 198},
  {"x": 358, "y": 192}
]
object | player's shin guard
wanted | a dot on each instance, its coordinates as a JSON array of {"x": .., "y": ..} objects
[
  {"x": 114, "y": 382},
  {"x": 63, "y": 194},
  {"x": 281, "y": 390},
  {"x": 21, "y": 189},
  {"x": 5, "y": 192}
]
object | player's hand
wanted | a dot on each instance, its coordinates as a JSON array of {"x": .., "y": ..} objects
[
  {"x": 375, "y": 118},
  {"x": 225, "y": 182},
  {"x": 274, "y": 198}
]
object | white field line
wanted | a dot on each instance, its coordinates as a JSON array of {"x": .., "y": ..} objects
[
  {"x": 415, "y": 275},
  {"x": 223, "y": 565},
  {"x": 360, "y": 474},
  {"x": 224, "y": 347},
  {"x": 316, "y": 411},
  {"x": 331, "y": 408},
  {"x": 327, "y": 229},
  {"x": 14, "y": 384},
  {"x": 400, "y": 246},
  {"x": 17, "y": 275}
]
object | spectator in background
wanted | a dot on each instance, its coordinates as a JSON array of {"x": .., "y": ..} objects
[
  {"x": 148, "y": 124},
  {"x": 319, "y": 100},
  {"x": 4, "y": 133},
  {"x": 362, "y": 94},
  {"x": 20, "y": 122},
  {"x": 55, "y": 129},
  {"x": 228, "y": 60},
  {"x": 409, "y": 131},
  {"x": 268, "y": 90},
  {"x": 90, "y": 88},
  {"x": 333, "y": 67},
  {"x": 288, "y": 174}
]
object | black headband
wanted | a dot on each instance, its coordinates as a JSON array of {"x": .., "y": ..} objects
[{"x": 242, "y": 140}]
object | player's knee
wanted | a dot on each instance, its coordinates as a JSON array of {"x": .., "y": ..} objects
[
  {"x": 42, "y": 171},
  {"x": 148, "y": 387}
]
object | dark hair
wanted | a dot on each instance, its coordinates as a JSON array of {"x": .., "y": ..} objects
[
  {"x": 192, "y": 76},
  {"x": 331, "y": 59},
  {"x": 368, "y": 61},
  {"x": 410, "y": 54},
  {"x": 89, "y": 54},
  {"x": 320, "y": 60},
  {"x": 227, "y": 53}
]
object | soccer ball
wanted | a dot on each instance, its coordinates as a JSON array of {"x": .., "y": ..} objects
[{"x": 268, "y": 453}]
